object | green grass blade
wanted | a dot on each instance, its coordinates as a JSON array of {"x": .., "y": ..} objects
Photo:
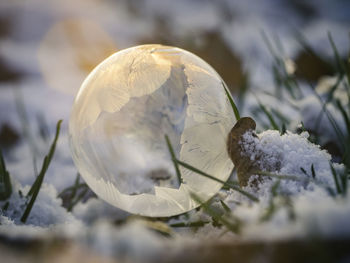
[
  {"x": 73, "y": 192},
  {"x": 5, "y": 180},
  {"x": 303, "y": 171},
  {"x": 329, "y": 99},
  {"x": 5, "y": 206},
  {"x": 283, "y": 129},
  {"x": 228, "y": 184},
  {"x": 342, "y": 67},
  {"x": 335, "y": 177},
  {"x": 37, "y": 181},
  {"x": 190, "y": 224},
  {"x": 275, "y": 187},
  {"x": 173, "y": 158},
  {"x": 281, "y": 176},
  {"x": 33, "y": 187},
  {"x": 333, "y": 89},
  {"x": 313, "y": 171},
  {"x": 344, "y": 114},
  {"x": 281, "y": 76},
  {"x": 271, "y": 209},
  {"x": 280, "y": 116},
  {"x": 75, "y": 187},
  {"x": 269, "y": 116},
  {"x": 25, "y": 125},
  {"x": 330, "y": 117},
  {"x": 78, "y": 199},
  {"x": 344, "y": 181},
  {"x": 340, "y": 64},
  {"x": 270, "y": 48},
  {"x": 37, "y": 184},
  {"x": 303, "y": 129},
  {"x": 225, "y": 206},
  {"x": 233, "y": 105},
  {"x": 71, "y": 188}
]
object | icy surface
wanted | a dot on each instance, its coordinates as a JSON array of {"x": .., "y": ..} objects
[{"x": 120, "y": 118}]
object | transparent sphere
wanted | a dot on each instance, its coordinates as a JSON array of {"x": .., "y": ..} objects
[{"x": 121, "y": 115}]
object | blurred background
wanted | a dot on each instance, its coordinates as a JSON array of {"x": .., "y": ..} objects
[{"x": 55, "y": 44}]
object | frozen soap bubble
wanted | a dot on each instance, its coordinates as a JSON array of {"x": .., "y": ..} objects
[{"x": 121, "y": 115}]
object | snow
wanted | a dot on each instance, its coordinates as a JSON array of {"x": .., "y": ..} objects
[
  {"x": 46, "y": 212},
  {"x": 288, "y": 154},
  {"x": 316, "y": 214}
]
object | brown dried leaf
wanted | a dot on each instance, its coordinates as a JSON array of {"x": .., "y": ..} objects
[{"x": 245, "y": 166}]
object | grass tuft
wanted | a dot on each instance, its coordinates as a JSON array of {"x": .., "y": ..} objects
[
  {"x": 230, "y": 223},
  {"x": 74, "y": 198},
  {"x": 77, "y": 199}
]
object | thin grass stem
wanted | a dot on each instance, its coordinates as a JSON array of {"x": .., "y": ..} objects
[{"x": 228, "y": 184}]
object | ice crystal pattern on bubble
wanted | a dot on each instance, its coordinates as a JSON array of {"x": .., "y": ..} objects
[{"x": 119, "y": 119}]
